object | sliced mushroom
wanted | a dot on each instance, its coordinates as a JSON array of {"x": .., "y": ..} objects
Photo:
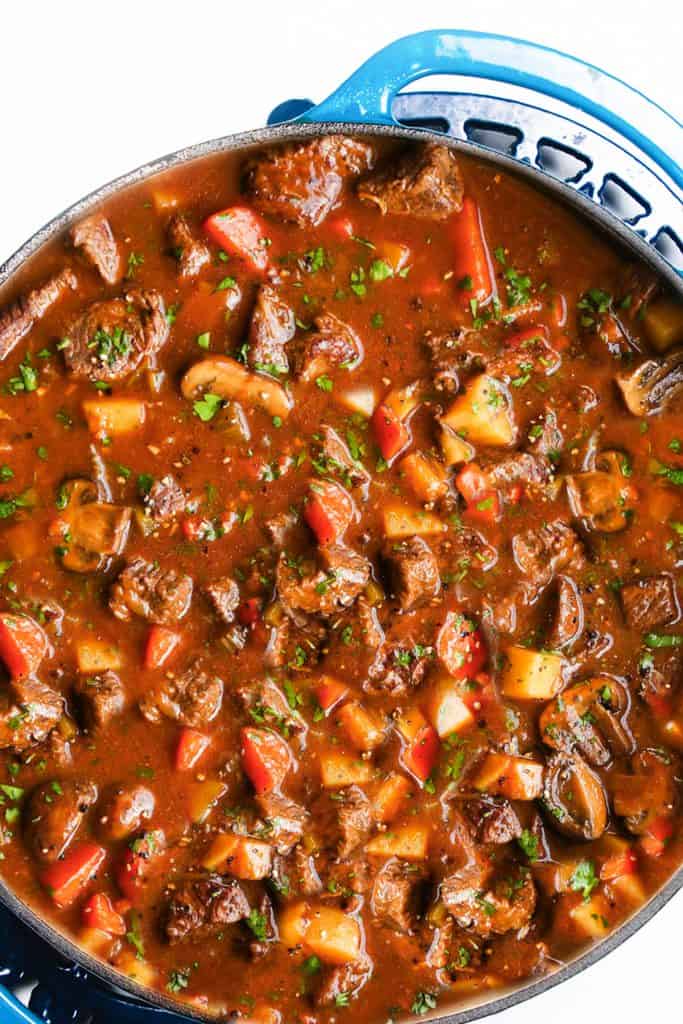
[
  {"x": 588, "y": 716},
  {"x": 602, "y": 497},
  {"x": 93, "y": 530},
  {"x": 228, "y": 379},
  {"x": 653, "y": 385},
  {"x": 574, "y": 797},
  {"x": 648, "y": 793}
]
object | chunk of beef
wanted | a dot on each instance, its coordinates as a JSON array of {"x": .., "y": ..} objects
[
  {"x": 307, "y": 878},
  {"x": 397, "y": 668},
  {"x": 193, "y": 698},
  {"x": 159, "y": 595},
  {"x": 279, "y": 527},
  {"x": 516, "y": 957},
  {"x": 330, "y": 345},
  {"x": 165, "y": 499},
  {"x": 493, "y": 821},
  {"x": 661, "y": 675},
  {"x": 203, "y": 905},
  {"x": 424, "y": 182},
  {"x": 126, "y": 810},
  {"x": 259, "y": 947},
  {"x": 549, "y": 440},
  {"x": 266, "y": 703},
  {"x": 396, "y": 895},
  {"x": 94, "y": 237},
  {"x": 190, "y": 251},
  {"x": 523, "y": 467},
  {"x": 450, "y": 359},
  {"x": 54, "y": 815},
  {"x": 108, "y": 340},
  {"x": 413, "y": 572},
  {"x": 543, "y": 552},
  {"x": 342, "y": 575},
  {"x": 272, "y": 326},
  {"x": 19, "y": 318},
  {"x": 303, "y": 181},
  {"x": 567, "y": 622},
  {"x": 354, "y": 816},
  {"x": 507, "y": 906},
  {"x": 649, "y": 602},
  {"x": 338, "y": 461},
  {"x": 101, "y": 698},
  {"x": 339, "y": 983},
  {"x": 224, "y": 595},
  {"x": 286, "y": 819},
  {"x": 29, "y": 711},
  {"x": 295, "y": 642}
]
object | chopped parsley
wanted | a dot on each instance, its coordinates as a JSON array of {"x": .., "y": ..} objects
[
  {"x": 584, "y": 879},
  {"x": 207, "y": 406},
  {"x": 423, "y": 1003}
]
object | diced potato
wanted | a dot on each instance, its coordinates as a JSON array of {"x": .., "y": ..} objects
[
  {"x": 410, "y": 723},
  {"x": 240, "y": 856},
  {"x": 409, "y": 842},
  {"x": 455, "y": 448},
  {"x": 325, "y": 932},
  {"x": 483, "y": 413},
  {"x": 402, "y": 401},
  {"x": 365, "y": 729},
  {"x": 663, "y": 322},
  {"x": 95, "y": 656},
  {"x": 591, "y": 917},
  {"x": 400, "y": 521},
  {"x": 391, "y": 797},
  {"x": 202, "y": 797},
  {"x": 629, "y": 889},
  {"x": 425, "y": 475},
  {"x": 532, "y": 675},
  {"x": 329, "y": 692},
  {"x": 114, "y": 416},
  {"x": 517, "y": 778},
  {"x": 362, "y": 400},
  {"x": 338, "y": 770},
  {"x": 447, "y": 710},
  {"x": 139, "y": 970}
]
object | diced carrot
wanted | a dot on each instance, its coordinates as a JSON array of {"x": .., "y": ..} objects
[
  {"x": 341, "y": 226},
  {"x": 67, "y": 877},
  {"x": 99, "y": 912},
  {"x": 192, "y": 744},
  {"x": 460, "y": 646},
  {"x": 391, "y": 797},
  {"x": 160, "y": 646},
  {"x": 241, "y": 856},
  {"x": 391, "y": 434},
  {"x": 658, "y": 835},
  {"x": 329, "y": 692},
  {"x": 483, "y": 501},
  {"x": 426, "y": 476},
  {"x": 325, "y": 932},
  {"x": 328, "y": 511},
  {"x": 266, "y": 758},
  {"x": 240, "y": 231},
  {"x": 471, "y": 261},
  {"x": 517, "y": 778},
  {"x": 23, "y": 644}
]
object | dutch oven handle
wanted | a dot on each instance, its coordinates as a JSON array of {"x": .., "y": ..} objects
[{"x": 367, "y": 96}]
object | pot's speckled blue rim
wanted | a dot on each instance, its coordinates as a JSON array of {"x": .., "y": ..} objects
[{"x": 160, "y": 1007}]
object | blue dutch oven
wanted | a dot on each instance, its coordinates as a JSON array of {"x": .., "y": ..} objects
[{"x": 571, "y": 129}]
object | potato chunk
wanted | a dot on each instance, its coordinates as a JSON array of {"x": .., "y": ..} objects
[
  {"x": 483, "y": 413},
  {"x": 532, "y": 675}
]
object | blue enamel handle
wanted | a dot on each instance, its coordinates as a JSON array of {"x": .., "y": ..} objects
[{"x": 367, "y": 96}]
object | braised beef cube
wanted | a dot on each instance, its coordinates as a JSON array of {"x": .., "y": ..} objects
[
  {"x": 224, "y": 595},
  {"x": 494, "y": 821},
  {"x": 506, "y": 906},
  {"x": 54, "y": 815},
  {"x": 159, "y": 595},
  {"x": 332, "y": 344},
  {"x": 450, "y": 358},
  {"x": 397, "y": 668},
  {"x": 272, "y": 326},
  {"x": 280, "y": 526},
  {"x": 165, "y": 499},
  {"x": 306, "y": 878},
  {"x": 523, "y": 467},
  {"x": 202, "y": 906},
  {"x": 193, "y": 698},
  {"x": 544, "y": 551},
  {"x": 661, "y": 674},
  {"x": 339, "y": 984},
  {"x": 94, "y": 237},
  {"x": 396, "y": 895},
  {"x": 286, "y": 820},
  {"x": 29, "y": 711},
  {"x": 190, "y": 251},
  {"x": 546, "y": 436},
  {"x": 258, "y": 947},
  {"x": 354, "y": 815},
  {"x": 303, "y": 181},
  {"x": 649, "y": 602},
  {"x": 19, "y": 318},
  {"x": 101, "y": 698},
  {"x": 424, "y": 182},
  {"x": 266, "y": 704},
  {"x": 567, "y": 621},
  {"x": 338, "y": 461},
  {"x": 342, "y": 575},
  {"x": 413, "y": 572}
]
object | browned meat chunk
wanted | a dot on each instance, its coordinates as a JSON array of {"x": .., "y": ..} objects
[
  {"x": 54, "y": 815},
  {"x": 224, "y": 595},
  {"x": 546, "y": 436},
  {"x": 397, "y": 668},
  {"x": 649, "y": 602},
  {"x": 109, "y": 340},
  {"x": 543, "y": 552},
  {"x": 193, "y": 698},
  {"x": 424, "y": 182},
  {"x": 661, "y": 674},
  {"x": 337, "y": 460},
  {"x": 266, "y": 703},
  {"x": 202, "y": 906},
  {"x": 494, "y": 821},
  {"x": 279, "y": 526},
  {"x": 507, "y": 906},
  {"x": 342, "y": 575},
  {"x": 272, "y": 327},
  {"x": 191, "y": 252},
  {"x": 159, "y": 595},
  {"x": 450, "y": 359},
  {"x": 413, "y": 572},
  {"x": 303, "y": 181},
  {"x": 307, "y": 879},
  {"x": 354, "y": 815},
  {"x": 331, "y": 345},
  {"x": 29, "y": 711},
  {"x": 101, "y": 698},
  {"x": 125, "y": 811},
  {"x": 396, "y": 895},
  {"x": 567, "y": 623},
  {"x": 286, "y": 820},
  {"x": 259, "y": 947},
  {"x": 18, "y": 319},
  {"x": 165, "y": 499},
  {"x": 338, "y": 984},
  {"x": 96, "y": 240},
  {"x": 520, "y": 468}
]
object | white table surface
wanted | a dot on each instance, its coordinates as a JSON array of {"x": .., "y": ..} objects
[{"x": 89, "y": 90}]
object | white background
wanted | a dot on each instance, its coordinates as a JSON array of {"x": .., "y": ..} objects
[{"x": 89, "y": 90}]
